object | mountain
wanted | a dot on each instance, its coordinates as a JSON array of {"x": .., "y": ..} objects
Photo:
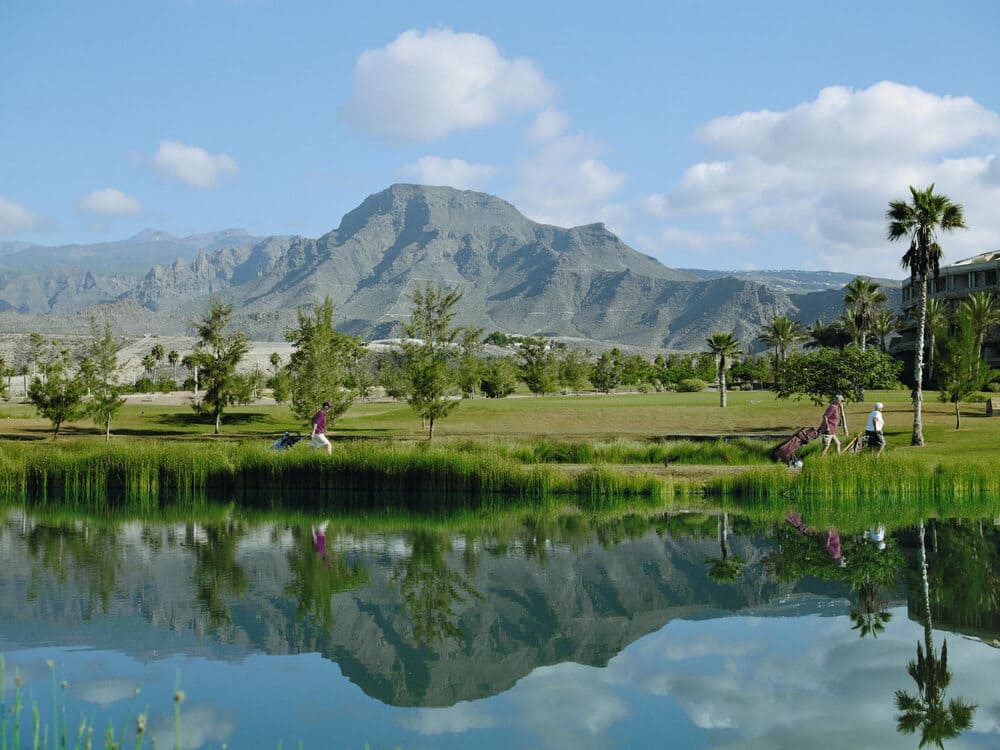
[
  {"x": 132, "y": 256},
  {"x": 515, "y": 275},
  {"x": 792, "y": 281}
]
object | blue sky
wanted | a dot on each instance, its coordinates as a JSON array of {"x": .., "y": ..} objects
[{"x": 717, "y": 135}]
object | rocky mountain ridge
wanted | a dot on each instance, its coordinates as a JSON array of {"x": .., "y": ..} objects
[{"x": 515, "y": 275}]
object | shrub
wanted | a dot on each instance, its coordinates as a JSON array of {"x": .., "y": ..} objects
[{"x": 691, "y": 385}]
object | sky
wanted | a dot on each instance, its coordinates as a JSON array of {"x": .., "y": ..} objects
[{"x": 720, "y": 135}]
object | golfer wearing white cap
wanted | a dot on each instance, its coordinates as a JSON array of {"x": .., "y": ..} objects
[{"x": 874, "y": 429}]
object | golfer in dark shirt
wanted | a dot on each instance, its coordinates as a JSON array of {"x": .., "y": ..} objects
[{"x": 319, "y": 439}]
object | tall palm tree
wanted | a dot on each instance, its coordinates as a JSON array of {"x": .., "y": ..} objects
[
  {"x": 984, "y": 312},
  {"x": 782, "y": 333},
  {"x": 724, "y": 346},
  {"x": 863, "y": 299},
  {"x": 926, "y": 709},
  {"x": 173, "y": 358},
  {"x": 920, "y": 222}
]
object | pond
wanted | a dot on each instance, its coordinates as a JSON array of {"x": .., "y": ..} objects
[{"x": 679, "y": 630}]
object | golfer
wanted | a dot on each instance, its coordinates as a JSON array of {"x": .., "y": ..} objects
[{"x": 319, "y": 439}]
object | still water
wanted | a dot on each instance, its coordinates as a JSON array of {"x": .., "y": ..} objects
[{"x": 685, "y": 631}]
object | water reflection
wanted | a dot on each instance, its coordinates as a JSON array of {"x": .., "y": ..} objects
[
  {"x": 706, "y": 618},
  {"x": 927, "y": 710}
]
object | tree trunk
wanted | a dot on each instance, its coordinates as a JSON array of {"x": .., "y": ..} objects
[
  {"x": 918, "y": 369},
  {"x": 107, "y": 428},
  {"x": 430, "y": 431},
  {"x": 958, "y": 417},
  {"x": 722, "y": 383},
  {"x": 843, "y": 417},
  {"x": 218, "y": 422}
]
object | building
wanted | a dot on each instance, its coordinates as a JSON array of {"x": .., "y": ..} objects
[{"x": 956, "y": 282}]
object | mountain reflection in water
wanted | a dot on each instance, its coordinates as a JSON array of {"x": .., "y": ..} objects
[{"x": 433, "y": 618}]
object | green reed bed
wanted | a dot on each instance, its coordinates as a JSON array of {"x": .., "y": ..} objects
[
  {"x": 366, "y": 474},
  {"x": 621, "y": 451}
]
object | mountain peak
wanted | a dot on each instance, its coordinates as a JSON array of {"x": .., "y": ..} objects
[{"x": 151, "y": 235}]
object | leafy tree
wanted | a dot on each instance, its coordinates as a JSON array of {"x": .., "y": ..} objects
[
  {"x": 4, "y": 374},
  {"x": 539, "y": 369},
  {"x": 920, "y": 221},
  {"x": 573, "y": 366},
  {"x": 470, "y": 362},
  {"x": 57, "y": 392},
  {"x": 318, "y": 368},
  {"x": 362, "y": 370},
  {"x": 823, "y": 374},
  {"x": 605, "y": 374},
  {"x": 864, "y": 299},
  {"x": 983, "y": 311},
  {"x": 425, "y": 365},
  {"x": 216, "y": 356},
  {"x": 635, "y": 371},
  {"x": 100, "y": 372},
  {"x": 963, "y": 371},
  {"x": 498, "y": 376},
  {"x": 190, "y": 362},
  {"x": 725, "y": 347},
  {"x": 726, "y": 568},
  {"x": 751, "y": 369},
  {"x": 782, "y": 333}
]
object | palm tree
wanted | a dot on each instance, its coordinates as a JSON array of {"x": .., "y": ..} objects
[
  {"x": 864, "y": 298},
  {"x": 984, "y": 313},
  {"x": 173, "y": 358},
  {"x": 827, "y": 336},
  {"x": 149, "y": 364},
  {"x": 157, "y": 352},
  {"x": 936, "y": 324},
  {"x": 886, "y": 323},
  {"x": 920, "y": 221},
  {"x": 782, "y": 333},
  {"x": 927, "y": 710},
  {"x": 724, "y": 346}
]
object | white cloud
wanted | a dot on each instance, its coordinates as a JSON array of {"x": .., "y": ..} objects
[
  {"x": 423, "y": 86},
  {"x": 105, "y": 692},
  {"x": 110, "y": 202},
  {"x": 567, "y": 184},
  {"x": 193, "y": 165},
  {"x": 456, "y": 173},
  {"x": 548, "y": 124},
  {"x": 457, "y": 719},
  {"x": 825, "y": 170},
  {"x": 673, "y": 236},
  {"x": 15, "y": 217}
]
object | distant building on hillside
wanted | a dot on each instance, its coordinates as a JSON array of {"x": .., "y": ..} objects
[{"x": 956, "y": 282}]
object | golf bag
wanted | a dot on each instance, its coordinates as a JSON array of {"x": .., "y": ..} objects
[
  {"x": 286, "y": 441},
  {"x": 786, "y": 451},
  {"x": 856, "y": 443}
]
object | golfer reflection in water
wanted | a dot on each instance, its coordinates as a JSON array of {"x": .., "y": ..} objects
[{"x": 319, "y": 541}]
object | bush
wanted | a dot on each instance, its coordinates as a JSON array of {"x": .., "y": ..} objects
[{"x": 691, "y": 385}]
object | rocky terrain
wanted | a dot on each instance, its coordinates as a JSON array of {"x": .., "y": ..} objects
[{"x": 515, "y": 275}]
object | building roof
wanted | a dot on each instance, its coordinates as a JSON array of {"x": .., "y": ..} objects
[{"x": 981, "y": 258}]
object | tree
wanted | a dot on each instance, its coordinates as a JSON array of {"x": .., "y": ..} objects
[
  {"x": 216, "y": 357},
  {"x": 605, "y": 374},
  {"x": 470, "y": 362},
  {"x": 425, "y": 364},
  {"x": 864, "y": 299},
  {"x": 827, "y": 335},
  {"x": 573, "y": 366},
  {"x": 983, "y": 311},
  {"x": 157, "y": 353},
  {"x": 173, "y": 358},
  {"x": 100, "y": 371},
  {"x": 317, "y": 369},
  {"x": 498, "y": 376},
  {"x": 828, "y": 372},
  {"x": 539, "y": 369},
  {"x": 920, "y": 221},
  {"x": 56, "y": 391},
  {"x": 886, "y": 323},
  {"x": 724, "y": 346},
  {"x": 726, "y": 568},
  {"x": 149, "y": 364},
  {"x": 782, "y": 333},
  {"x": 962, "y": 368},
  {"x": 936, "y": 324}
]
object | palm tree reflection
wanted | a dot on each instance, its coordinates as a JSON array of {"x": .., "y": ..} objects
[
  {"x": 727, "y": 568},
  {"x": 927, "y": 709}
]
